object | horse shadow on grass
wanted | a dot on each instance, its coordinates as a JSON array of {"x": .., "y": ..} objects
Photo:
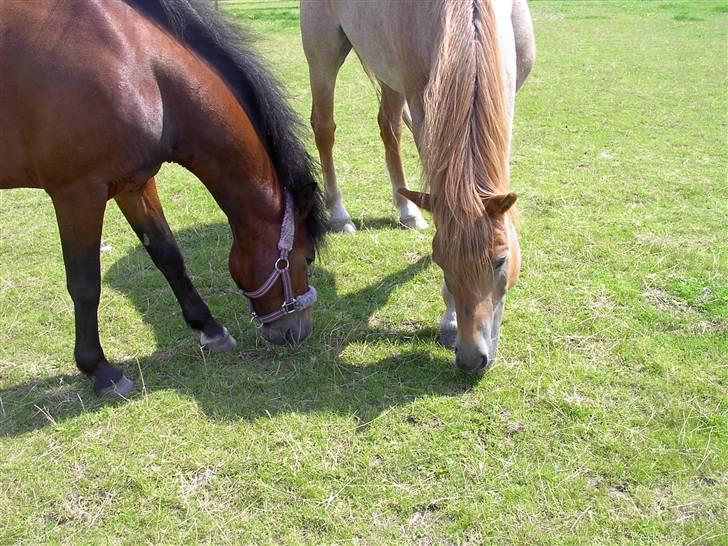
[
  {"x": 255, "y": 379},
  {"x": 376, "y": 222}
]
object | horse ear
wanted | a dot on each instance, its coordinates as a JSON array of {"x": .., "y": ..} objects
[
  {"x": 420, "y": 199},
  {"x": 499, "y": 204}
]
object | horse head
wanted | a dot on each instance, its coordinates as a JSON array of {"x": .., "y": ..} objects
[{"x": 476, "y": 285}]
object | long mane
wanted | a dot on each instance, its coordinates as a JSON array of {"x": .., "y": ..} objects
[
  {"x": 466, "y": 138},
  {"x": 227, "y": 49}
]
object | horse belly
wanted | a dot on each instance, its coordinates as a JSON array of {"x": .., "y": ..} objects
[
  {"x": 13, "y": 171},
  {"x": 394, "y": 39}
]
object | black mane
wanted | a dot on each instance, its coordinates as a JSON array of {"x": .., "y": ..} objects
[{"x": 226, "y": 48}]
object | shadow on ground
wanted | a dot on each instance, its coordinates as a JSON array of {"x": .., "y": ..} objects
[
  {"x": 255, "y": 379},
  {"x": 377, "y": 222}
]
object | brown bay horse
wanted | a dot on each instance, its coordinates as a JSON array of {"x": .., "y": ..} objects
[
  {"x": 450, "y": 69},
  {"x": 97, "y": 94}
]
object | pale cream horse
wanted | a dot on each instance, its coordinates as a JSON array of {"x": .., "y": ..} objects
[{"x": 451, "y": 68}]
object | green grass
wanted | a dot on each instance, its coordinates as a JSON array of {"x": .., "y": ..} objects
[{"x": 603, "y": 420}]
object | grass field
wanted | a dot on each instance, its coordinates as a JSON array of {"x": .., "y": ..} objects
[{"x": 603, "y": 420}]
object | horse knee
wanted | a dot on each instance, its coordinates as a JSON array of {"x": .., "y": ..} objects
[
  {"x": 390, "y": 129},
  {"x": 84, "y": 291},
  {"x": 169, "y": 260}
]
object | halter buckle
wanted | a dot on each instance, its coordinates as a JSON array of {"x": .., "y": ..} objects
[{"x": 289, "y": 307}]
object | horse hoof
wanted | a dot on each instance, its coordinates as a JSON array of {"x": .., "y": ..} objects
[
  {"x": 122, "y": 388},
  {"x": 219, "y": 344},
  {"x": 414, "y": 222},
  {"x": 343, "y": 225},
  {"x": 448, "y": 338}
]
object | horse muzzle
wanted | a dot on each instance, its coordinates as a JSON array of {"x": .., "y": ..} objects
[
  {"x": 472, "y": 360},
  {"x": 290, "y": 329}
]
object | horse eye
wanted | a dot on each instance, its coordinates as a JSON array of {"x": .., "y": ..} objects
[
  {"x": 499, "y": 262},
  {"x": 309, "y": 260}
]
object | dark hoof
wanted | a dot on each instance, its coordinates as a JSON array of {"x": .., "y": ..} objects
[
  {"x": 123, "y": 388},
  {"x": 219, "y": 344},
  {"x": 448, "y": 338}
]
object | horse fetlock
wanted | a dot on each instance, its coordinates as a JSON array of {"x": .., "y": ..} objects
[
  {"x": 340, "y": 221},
  {"x": 332, "y": 198},
  {"x": 449, "y": 330},
  {"x": 410, "y": 215},
  {"x": 448, "y": 337},
  {"x": 90, "y": 360}
]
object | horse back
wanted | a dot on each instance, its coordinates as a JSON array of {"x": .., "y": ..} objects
[
  {"x": 79, "y": 98},
  {"x": 397, "y": 40}
]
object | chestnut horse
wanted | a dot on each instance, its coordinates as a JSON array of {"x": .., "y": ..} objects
[
  {"x": 451, "y": 69},
  {"x": 97, "y": 94}
]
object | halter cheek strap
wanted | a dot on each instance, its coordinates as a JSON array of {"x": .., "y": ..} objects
[{"x": 291, "y": 304}]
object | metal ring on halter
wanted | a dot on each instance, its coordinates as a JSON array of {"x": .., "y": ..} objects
[{"x": 290, "y": 304}]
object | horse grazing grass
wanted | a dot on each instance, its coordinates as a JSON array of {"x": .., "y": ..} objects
[
  {"x": 456, "y": 66},
  {"x": 98, "y": 95}
]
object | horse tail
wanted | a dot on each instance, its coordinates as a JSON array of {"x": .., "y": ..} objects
[{"x": 466, "y": 138}]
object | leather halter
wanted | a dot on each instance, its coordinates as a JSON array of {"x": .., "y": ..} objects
[{"x": 291, "y": 304}]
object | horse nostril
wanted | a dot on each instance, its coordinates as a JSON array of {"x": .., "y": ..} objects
[{"x": 483, "y": 362}]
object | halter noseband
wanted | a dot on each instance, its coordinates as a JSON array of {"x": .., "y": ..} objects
[{"x": 291, "y": 304}]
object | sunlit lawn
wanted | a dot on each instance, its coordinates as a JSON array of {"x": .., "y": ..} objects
[{"x": 603, "y": 420}]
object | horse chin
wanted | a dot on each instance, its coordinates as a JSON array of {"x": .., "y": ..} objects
[{"x": 289, "y": 330}]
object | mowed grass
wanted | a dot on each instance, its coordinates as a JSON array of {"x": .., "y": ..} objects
[{"x": 603, "y": 420}]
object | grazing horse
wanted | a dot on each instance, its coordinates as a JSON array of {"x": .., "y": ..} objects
[
  {"x": 451, "y": 69},
  {"x": 96, "y": 95}
]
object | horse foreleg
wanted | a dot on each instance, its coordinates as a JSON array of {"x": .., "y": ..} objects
[
  {"x": 390, "y": 128},
  {"x": 326, "y": 48},
  {"x": 80, "y": 218},
  {"x": 144, "y": 213},
  {"x": 322, "y": 122}
]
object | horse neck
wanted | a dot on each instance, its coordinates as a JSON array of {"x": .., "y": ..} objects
[
  {"x": 466, "y": 133},
  {"x": 214, "y": 138},
  {"x": 466, "y": 136}
]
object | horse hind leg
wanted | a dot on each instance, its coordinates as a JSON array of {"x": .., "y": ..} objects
[
  {"x": 144, "y": 213},
  {"x": 80, "y": 217},
  {"x": 391, "y": 110}
]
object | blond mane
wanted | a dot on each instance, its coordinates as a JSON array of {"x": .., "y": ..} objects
[{"x": 466, "y": 137}]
